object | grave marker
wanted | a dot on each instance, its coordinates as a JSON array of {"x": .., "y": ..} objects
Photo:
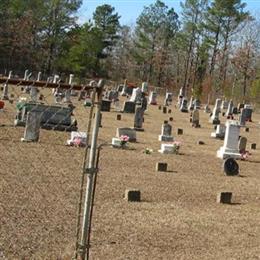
[
  {"x": 32, "y": 128},
  {"x": 166, "y": 133},
  {"x": 230, "y": 147}
]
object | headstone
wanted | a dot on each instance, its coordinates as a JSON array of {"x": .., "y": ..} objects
[
  {"x": 138, "y": 120},
  {"x": 179, "y": 131},
  {"x": 230, "y": 108},
  {"x": 180, "y": 96},
  {"x": 159, "y": 107},
  {"x": 32, "y": 128},
  {"x": 129, "y": 107},
  {"x": 118, "y": 117},
  {"x": 191, "y": 104},
  {"x": 130, "y": 132},
  {"x": 242, "y": 144},
  {"x": 214, "y": 119},
  {"x": 161, "y": 167},
  {"x": 5, "y": 95},
  {"x": 144, "y": 87},
  {"x": 220, "y": 131},
  {"x": 124, "y": 89},
  {"x": 224, "y": 104},
  {"x": 105, "y": 105},
  {"x": 136, "y": 95},
  {"x": 77, "y": 139},
  {"x": 167, "y": 149},
  {"x": 168, "y": 99},
  {"x": 253, "y": 146},
  {"x": 234, "y": 111},
  {"x": 230, "y": 167},
  {"x": 164, "y": 109},
  {"x": 166, "y": 133},
  {"x": 196, "y": 103},
  {"x": 68, "y": 92},
  {"x": 242, "y": 117},
  {"x": 52, "y": 117},
  {"x": 171, "y": 119},
  {"x": 207, "y": 109},
  {"x": 195, "y": 119},
  {"x": 240, "y": 106},
  {"x": 143, "y": 101},
  {"x": 224, "y": 197},
  {"x": 183, "y": 107},
  {"x": 133, "y": 195},
  {"x": 248, "y": 113},
  {"x": 152, "y": 98},
  {"x": 230, "y": 147},
  {"x": 169, "y": 111}
]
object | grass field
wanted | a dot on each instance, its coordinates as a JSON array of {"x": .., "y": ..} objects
[{"x": 178, "y": 217}]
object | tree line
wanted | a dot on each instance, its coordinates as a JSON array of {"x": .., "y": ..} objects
[{"x": 210, "y": 47}]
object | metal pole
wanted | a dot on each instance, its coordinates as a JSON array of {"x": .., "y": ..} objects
[{"x": 90, "y": 171}]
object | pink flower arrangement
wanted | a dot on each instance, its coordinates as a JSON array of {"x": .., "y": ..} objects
[{"x": 124, "y": 139}]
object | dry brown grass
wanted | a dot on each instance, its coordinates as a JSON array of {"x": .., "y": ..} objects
[{"x": 178, "y": 217}]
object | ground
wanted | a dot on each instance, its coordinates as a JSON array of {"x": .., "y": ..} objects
[{"x": 177, "y": 218}]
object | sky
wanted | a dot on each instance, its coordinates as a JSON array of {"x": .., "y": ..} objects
[{"x": 129, "y": 10}]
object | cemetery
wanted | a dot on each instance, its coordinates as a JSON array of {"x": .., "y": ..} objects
[
  {"x": 132, "y": 134},
  {"x": 162, "y": 185}
]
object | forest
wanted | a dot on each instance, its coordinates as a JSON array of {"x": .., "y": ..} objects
[{"x": 209, "y": 47}]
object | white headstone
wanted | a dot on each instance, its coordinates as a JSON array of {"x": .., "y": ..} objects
[{"x": 230, "y": 147}]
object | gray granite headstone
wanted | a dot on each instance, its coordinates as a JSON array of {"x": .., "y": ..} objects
[
  {"x": 32, "y": 128},
  {"x": 138, "y": 120},
  {"x": 129, "y": 107}
]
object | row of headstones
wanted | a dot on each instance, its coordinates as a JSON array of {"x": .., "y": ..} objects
[{"x": 33, "y": 91}]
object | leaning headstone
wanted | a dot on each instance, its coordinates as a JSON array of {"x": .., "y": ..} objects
[
  {"x": 129, "y": 107},
  {"x": 230, "y": 147},
  {"x": 183, "y": 107},
  {"x": 138, "y": 120},
  {"x": 242, "y": 144},
  {"x": 130, "y": 132},
  {"x": 32, "y": 128},
  {"x": 166, "y": 133},
  {"x": 224, "y": 197},
  {"x": 195, "y": 119}
]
